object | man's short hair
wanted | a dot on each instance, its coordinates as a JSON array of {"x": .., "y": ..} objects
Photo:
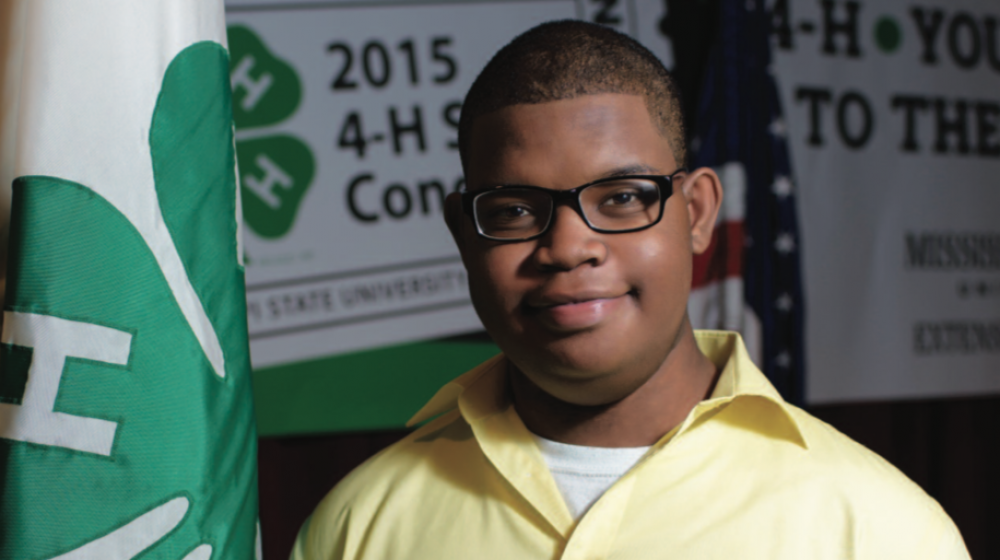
[{"x": 569, "y": 58}]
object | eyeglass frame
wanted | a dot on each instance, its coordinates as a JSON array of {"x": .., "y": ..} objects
[{"x": 664, "y": 182}]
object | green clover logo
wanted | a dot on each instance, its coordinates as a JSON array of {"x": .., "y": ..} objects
[
  {"x": 174, "y": 421},
  {"x": 276, "y": 170}
]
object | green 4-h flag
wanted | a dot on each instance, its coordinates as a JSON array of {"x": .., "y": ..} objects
[{"x": 126, "y": 421}]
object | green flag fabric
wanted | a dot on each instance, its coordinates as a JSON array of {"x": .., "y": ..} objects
[{"x": 126, "y": 421}]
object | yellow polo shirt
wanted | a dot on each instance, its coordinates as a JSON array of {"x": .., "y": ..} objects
[{"x": 745, "y": 476}]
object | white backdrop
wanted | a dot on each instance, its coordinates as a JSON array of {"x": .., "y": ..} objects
[{"x": 896, "y": 149}]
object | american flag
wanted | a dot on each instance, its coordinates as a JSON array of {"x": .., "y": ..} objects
[{"x": 750, "y": 278}]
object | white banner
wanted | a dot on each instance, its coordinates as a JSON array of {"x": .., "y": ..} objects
[{"x": 893, "y": 113}]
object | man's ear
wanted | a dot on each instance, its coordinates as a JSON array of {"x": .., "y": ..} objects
[
  {"x": 703, "y": 194},
  {"x": 453, "y": 217}
]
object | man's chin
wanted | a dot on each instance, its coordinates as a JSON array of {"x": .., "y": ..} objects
[{"x": 598, "y": 390}]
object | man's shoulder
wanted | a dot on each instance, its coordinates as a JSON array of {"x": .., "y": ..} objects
[
  {"x": 416, "y": 459},
  {"x": 861, "y": 480},
  {"x": 844, "y": 456},
  {"x": 424, "y": 465}
]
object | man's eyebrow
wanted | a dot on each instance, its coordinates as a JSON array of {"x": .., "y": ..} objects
[{"x": 637, "y": 169}]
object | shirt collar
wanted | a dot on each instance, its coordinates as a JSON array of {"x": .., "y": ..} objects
[
  {"x": 481, "y": 392},
  {"x": 741, "y": 379},
  {"x": 486, "y": 393}
]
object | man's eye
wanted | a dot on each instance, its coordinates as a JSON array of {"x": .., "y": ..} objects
[
  {"x": 511, "y": 211},
  {"x": 622, "y": 198}
]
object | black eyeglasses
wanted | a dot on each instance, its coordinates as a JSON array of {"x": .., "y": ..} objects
[{"x": 612, "y": 205}]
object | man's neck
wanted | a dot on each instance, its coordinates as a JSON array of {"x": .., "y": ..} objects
[{"x": 684, "y": 379}]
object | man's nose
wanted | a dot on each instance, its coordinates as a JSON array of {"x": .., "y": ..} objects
[{"x": 569, "y": 242}]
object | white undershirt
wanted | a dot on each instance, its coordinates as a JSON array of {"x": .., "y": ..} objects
[{"x": 584, "y": 473}]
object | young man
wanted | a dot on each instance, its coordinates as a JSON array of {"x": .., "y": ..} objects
[{"x": 607, "y": 428}]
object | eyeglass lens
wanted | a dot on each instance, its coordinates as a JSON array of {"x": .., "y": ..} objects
[{"x": 617, "y": 205}]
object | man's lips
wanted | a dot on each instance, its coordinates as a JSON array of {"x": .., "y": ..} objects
[{"x": 568, "y": 312}]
